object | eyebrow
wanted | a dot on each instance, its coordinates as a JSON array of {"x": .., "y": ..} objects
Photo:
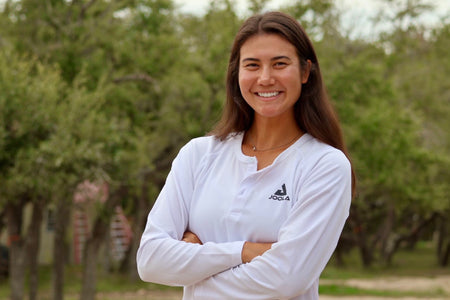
[{"x": 272, "y": 59}]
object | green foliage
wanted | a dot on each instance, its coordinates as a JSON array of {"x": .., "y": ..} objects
[
  {"x": 199, "y": 94},
  {"x": 316, "y": 16},
  {"x": 377, "y": 131},
  {"x": 29, "y": 92},
  {"x": 257, "y": 6},
  {"x": 391, "y": 104}
]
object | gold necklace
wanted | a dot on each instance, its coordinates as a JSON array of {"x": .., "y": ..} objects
[{"x": 274, "y": 148}]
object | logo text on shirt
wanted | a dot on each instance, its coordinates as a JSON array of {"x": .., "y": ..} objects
[{"x": 280, "y": 195}]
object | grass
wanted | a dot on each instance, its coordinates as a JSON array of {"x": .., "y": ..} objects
[
  {"x": 420, "y": 262},
  {"x": 106, "y": 282}
]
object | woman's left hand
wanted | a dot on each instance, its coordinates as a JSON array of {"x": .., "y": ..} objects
[{"x": 190, "y": 237}]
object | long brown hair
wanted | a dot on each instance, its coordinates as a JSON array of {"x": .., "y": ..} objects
[{"x": 313, "y": 111}]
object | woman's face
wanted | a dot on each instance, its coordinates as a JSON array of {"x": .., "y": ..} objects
[{"x": 270, "y": 78}]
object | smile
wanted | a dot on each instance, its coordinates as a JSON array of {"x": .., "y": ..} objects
[{"x": 268, "y": 95}]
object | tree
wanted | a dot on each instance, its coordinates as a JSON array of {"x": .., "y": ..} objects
[
  {"x": 400, "y": 193},
  {"x": 419, "y": 63},
  {"x": 102, "y": 49},
  {"x": 29, "y": 91},
  {"x": 256, "y": 6}
]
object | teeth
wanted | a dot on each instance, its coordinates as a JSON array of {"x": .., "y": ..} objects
[{"x": 267, "y": 95}]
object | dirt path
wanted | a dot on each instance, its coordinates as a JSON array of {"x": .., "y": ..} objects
[
  {"x": 179, "y": 296},
  {"x": 404, "y": 284}
]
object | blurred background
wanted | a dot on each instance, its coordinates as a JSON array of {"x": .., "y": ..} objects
[{"x": 98, "y": 96}]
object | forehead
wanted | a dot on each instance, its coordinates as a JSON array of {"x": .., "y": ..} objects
[{"x": 267, "y": 45}]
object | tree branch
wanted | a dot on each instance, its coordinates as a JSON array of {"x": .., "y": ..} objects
[{"x": 85, "y": 7}]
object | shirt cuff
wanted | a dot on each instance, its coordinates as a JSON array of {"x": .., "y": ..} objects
[
  {"x": 237, "y": 258},
  {"x": 234, "y": 250}
]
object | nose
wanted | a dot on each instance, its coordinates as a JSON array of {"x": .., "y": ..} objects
[{"x": 266, "y": 77}]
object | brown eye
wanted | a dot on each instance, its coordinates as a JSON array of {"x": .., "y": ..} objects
[
  {"x": 251, "y": 66},
  {"x": 280, "y": 64}
]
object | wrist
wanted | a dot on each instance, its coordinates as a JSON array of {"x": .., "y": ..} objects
[
  {"x": 244, "y": 253},
  {"x": 251, "y": 250}
]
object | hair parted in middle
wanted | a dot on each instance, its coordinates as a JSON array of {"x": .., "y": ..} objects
[{"x": 313, "y": 111}]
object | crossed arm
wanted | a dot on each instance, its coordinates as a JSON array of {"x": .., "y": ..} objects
[{"x": 249, "y": 250}]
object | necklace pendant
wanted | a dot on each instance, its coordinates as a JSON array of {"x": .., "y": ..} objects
[{"x": 254, "y": 148}]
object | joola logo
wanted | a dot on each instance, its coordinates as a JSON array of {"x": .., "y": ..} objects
[{"x": 280, "y": 195}]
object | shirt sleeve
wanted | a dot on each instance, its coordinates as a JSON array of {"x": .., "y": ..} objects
[
  {"x": 305, "y": 243},
  {"x": 162, "y": 257}
]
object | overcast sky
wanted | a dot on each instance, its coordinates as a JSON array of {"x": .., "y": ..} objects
[
  {"x": 196, "y": 6},
  {"x": 356, "y": 13}
]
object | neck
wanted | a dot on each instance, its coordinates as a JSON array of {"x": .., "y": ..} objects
[{"x": 271, "y": 133}]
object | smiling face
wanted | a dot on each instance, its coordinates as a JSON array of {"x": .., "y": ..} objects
[{"x": 270, "y": 76}]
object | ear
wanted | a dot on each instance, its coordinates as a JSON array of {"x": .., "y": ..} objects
[{"x": 306, "y": 71}]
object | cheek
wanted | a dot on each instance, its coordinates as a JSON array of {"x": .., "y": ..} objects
[
  {"x": 245, "y": 82},
  {"x": 295, "y": 82}
]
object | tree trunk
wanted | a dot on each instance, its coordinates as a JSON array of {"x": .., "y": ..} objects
[
  {"x": 142, "y": 209},
  {"x": 2, "y": 217},
  {"x": 33, "y": 243},
  {"x": 339, "y": 254},
  {"x": 366, "y": 252},
  {"x": 443, "y": 245},
  {"x": 92, "y": 246},
  {"x": 14, "y": 215},
  {"x": 90, "y": 255},
  {"x": 60, "y": 247},
  {"x": 388, "y": 243},
  {"x": 412, "y": 235},
  {"x": 445, "y": 254},
  {"x": 345, "y": 245}
]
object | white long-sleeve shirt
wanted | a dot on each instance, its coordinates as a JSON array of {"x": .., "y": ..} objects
[{"x": 300, "y": 202}]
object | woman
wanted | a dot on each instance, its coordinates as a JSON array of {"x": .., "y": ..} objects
[{"x": 255, "y": 210}]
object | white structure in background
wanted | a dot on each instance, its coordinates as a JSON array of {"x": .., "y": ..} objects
[
  {"x": 85, "y": 199},
  {"x": 121, "y": 233}
]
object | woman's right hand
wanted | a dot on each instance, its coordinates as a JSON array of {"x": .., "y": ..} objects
[
  {"x": 252, "y": 250},
  {"x": 190, "y": 237}
]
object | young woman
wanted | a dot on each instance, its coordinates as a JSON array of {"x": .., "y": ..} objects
[{"x": 255, "y": 209}]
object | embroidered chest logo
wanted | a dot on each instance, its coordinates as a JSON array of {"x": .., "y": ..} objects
[{"x": 280, "y": 195}]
